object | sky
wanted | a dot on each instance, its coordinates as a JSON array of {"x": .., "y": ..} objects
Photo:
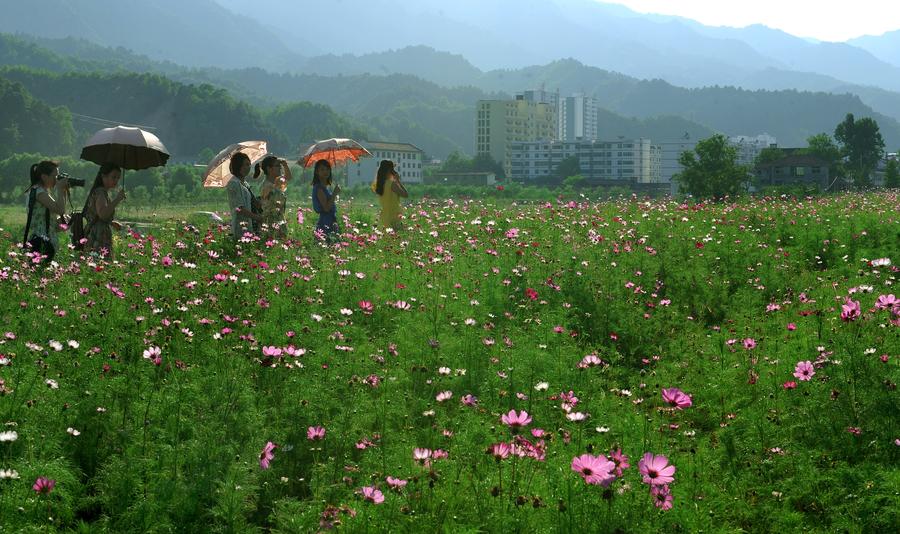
[{"x": 825, "y": 20}]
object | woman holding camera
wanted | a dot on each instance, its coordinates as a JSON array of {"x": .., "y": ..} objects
[
  {"x": 100, "y": 211},
  {"x": 272, "y": 193},
  {"x": 244, "y": 218},
  {"x": 46, "y": 203},
  {"x": 389, "y": 190}
]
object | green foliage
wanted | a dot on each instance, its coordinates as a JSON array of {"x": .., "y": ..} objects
[
  {"x": 568, "y": 167},
  {"x": 711, "y": 170},
  {"x": 31, "y": 125},
  {"x": 892, "y": 174},
  {"x": 308, "y": 122},
  {"x": 862, "y": 145},
  {"x": 458, "y": 162},
  {"x": 768, "y": 155}
]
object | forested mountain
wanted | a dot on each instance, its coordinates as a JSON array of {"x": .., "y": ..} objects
[
  {"x": 392, "y": 107},
  {"x": 31, "y": 125}
]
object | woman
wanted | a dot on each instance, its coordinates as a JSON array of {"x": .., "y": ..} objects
[
  {"x": 99, "y": 211},
  {"x": 389, "y": 190},
  {"x": 46, "y": 203},
  {"x": 274, "y": 201},
  {"x": 325, "y": 201},
  {"x": 244, "y": 218}
]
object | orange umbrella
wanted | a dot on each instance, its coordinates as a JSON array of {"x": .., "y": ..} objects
[{"x": 335, "y": 151}]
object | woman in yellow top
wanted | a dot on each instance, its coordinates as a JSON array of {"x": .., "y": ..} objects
[{"x": 389, "y": 190}]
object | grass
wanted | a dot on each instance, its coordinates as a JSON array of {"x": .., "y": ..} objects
[{"x": 262, "y": 341}]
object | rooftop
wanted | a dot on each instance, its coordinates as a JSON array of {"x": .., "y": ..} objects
[{"x": 396, "y": 147}]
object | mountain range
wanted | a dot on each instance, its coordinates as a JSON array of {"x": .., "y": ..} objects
[{"x": 414, "y": 71}]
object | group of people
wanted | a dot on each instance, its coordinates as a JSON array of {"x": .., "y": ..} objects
[
  {"x": 48, "y": 195},
  {"x": 264, "y": 215}
]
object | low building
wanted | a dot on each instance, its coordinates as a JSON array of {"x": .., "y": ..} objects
[
  {"x": 461, "y": 178},
  {"x": 623, "y": 161},
  {"x": 794, "y": 170},
  {"x": 407, "y": 158}
]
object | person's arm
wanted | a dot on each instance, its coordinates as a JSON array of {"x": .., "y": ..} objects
[
  {"x": 107, "y": 209},
  {"x": 398, "y": 188},
  {"x": 57, "y": 206},
  {"x": 288, "y": 176},
  {"x": 236, "y": 201}
]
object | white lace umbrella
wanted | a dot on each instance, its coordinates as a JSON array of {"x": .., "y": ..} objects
[{"x": 217, "y": 172}]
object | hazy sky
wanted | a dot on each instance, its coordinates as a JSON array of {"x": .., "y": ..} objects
[{"x": 826, "y": 20}]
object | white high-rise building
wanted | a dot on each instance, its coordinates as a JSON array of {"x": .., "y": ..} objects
[
  {"x": 749, "y": 147},
  {"x": 578, "y": 118}
]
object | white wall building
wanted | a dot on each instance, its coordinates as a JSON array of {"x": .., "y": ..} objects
[
  {"x": 633, "y": 160},
  {"x": 749, "y": 147},
  {"x": 407, "y": 158},
  {"x": 578, "y": 119}
]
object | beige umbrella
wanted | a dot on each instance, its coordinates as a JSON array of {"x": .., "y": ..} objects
[{"x": 217, "y": 172}]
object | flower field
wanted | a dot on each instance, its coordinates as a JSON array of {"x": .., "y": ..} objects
[{"x": 630, "y": 366}]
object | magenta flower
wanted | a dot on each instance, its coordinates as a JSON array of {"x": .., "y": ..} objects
[
  {"x": 516, "y": 420},
  {"x": 676, "y": 398},
  {"x": 621, "y": 460},
  {"x": 791, "y": 327},
  {"x": 886, "y": 301},
  {"x": 43, "y": 485},
  {"x": 790, "y": 384},
  {"x": 315, "y": 433},
  {"x": 804, "y": 370},
  {"x": 372, "y": 494},
  {"x": 662, "y": 497},
  {"x": 267, "y": 455},
  {"x": 366, "y": 306},
  {"x": 656, "y": 469},
  {"x": 749, "y": 343},
  {"x": 850, "y": 310},
  {"x": 469, "y": 400},
  {"x": 594, "y": 469}
]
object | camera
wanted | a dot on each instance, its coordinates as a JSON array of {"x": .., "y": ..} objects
[{"x": 73, "y": 182}]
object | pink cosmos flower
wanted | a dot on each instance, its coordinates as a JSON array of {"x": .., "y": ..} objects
[
  {"x": 886, "y": 301},
  {"x": 656, "y": 469},
  {"x": 804, "y": 371},
  {"x": 43, "y": 485},
  {"x": 315, "y": 433},
  {"x": 267, "y": 455},
  {"x": 469, "y": 400},
  {"x": 396, "y": 484},
  {"x": 499, "y": 451},
  {"x": 372, "y": 494},
  {"x": 366, "y": 307},
  {"x": 444, "y": 395},
  {"x": 676, "y": 398},
  {"x": 421, "y": 455},
  {"x": 790, "y": 384},
  {"x": 850, "y": 310},
  {"x": 791, "y": 327},
  {"x": 516, "y": 420},
  {"x": 662, "y": 497},
  {"x": 749, "y": 343},
  {"x": 621, "y": 460},
  {"x": 594, "y": 469}
]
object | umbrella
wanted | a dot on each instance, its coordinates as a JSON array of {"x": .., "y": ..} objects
[
  {"x": 129, "y": 148},
  {"x": 335, "y": 151},
  {"x": 217, "y": 172}
]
